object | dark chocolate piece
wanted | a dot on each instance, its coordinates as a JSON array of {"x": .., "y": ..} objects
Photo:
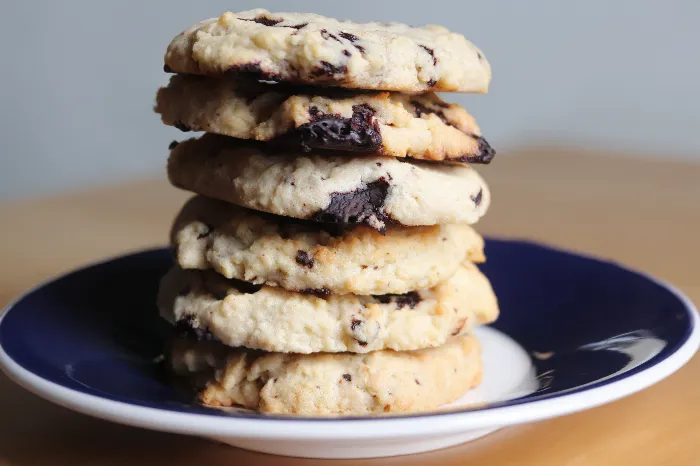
[
  {"x": 327, "y": 35},
  {"x": 410, "y": 299},
  {"x": 289, "y": 226},
  {"x": 431, "y": 52},
  {"x": 173, "y": 145},
  {"x": 485, "y": 154},
  {"x": 352, "y": 38},
  {"x": 357, "y": 133},
  {"x": 264, "y": 20},
  {"x": 167, "y": 69},
  {"x": 328, "y": 69},
  {"x": 478, "y": 197},
  {"x": 254, "y": 71},
  {"x": 420, "y": 108},
  {"x": 354, "y": 323},
  {"x": 348, "y": 36},
  {"x": 304, "y": 258},
  {"x": 347, "y": 377},
  {"x": 363, "y": 205}
]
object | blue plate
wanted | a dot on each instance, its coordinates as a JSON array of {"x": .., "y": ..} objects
[{"x": 91, "y": 340}]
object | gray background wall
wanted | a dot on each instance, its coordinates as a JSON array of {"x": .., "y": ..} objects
[{"x": 78, "y": 77}]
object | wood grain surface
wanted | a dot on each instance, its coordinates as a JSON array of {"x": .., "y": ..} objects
[{"x": 643, "y": 213}]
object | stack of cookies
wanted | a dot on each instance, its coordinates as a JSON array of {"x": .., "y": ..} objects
[{"x": 326, "y": 264}]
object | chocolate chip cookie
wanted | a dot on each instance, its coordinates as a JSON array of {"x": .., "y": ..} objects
[
  {"x": 387, "y": 123},
  {"x": 368, "y": 190},
  {"x": 312, "y": 49},
  {"x": 236, "y": 313},
  {"x": 328, "y": 384},
  {"x": 297, "y": 255}
]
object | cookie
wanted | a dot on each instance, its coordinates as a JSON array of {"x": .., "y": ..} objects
[
  {"x": 312, "y": 49},
  {"x": 298, "y": 255},
  {"x": 388, "y": 123},
  {"x": 237, "y": 313},
  {"x": 367, "y": 190},
  {"x": 329, "y": 384}
]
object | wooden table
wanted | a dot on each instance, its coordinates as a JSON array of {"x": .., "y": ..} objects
[{"x": 643, "y": 213}]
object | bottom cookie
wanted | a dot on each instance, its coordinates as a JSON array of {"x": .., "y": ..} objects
[{"x": 328, "y": 384}]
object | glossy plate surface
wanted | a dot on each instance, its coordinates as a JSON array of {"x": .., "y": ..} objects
[{"x": 574, "y": 332}]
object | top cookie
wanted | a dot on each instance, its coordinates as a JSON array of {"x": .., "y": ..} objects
[{"x": 313, "y": 49}]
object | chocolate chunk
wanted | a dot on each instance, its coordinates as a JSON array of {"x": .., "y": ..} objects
[
  {"x": 289, "y": 227},
  {"x": 485, "y": 154},
  {"x": 346, "y": 53},
  {"x": 361, "y": 343},
  {"x": 432, "y": 83},
  {"x": 182, "y": 127},
  {"x": 264, "y": 20},
  {"x": 322, "y": 293},
  {"x": 253, "y": 71},
  {"x": 420, "y": 109},
  {"x": 431, "y": 52},
  {"x": 347, "y": 377},
  {"x": 303, "y": 258},
  {"x": 410, "y": 299},
  {"x": 354, "y": 323},
  {"x": 352, "y": 38},
  {"x": 478, "y": 197},
  {"x": 363, "y": 206},
  {"x": 327, "y": 35},
  {"x": 167, "y": 69},
  {"x": 328, "y": 69},
  {"x": 417, "y": 382},
  {"x": 188, "y": 328},
  {"x": 298, "y": 26},
  {"x": 348, "y": 36},
  {"x": 358, "y": 133},
  {"x": 172, "y": 145}
]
